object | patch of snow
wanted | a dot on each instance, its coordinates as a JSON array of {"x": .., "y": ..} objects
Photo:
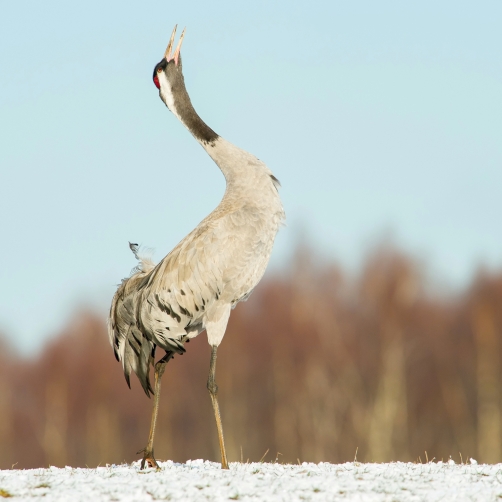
[{"x": 204, "y": 480}]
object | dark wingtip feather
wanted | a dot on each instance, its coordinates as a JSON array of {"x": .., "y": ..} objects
[
  {"x": 128, "y": 380},
  {"x": 275, "y": 181},
  {"x": 134, "y": 248},
  {"x": 145, "y": 383}
]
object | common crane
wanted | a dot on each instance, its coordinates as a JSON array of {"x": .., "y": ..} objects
[{"x": 213, "y": 268}]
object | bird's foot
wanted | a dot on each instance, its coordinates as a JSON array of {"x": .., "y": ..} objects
[{"x": 148, "y": 459}]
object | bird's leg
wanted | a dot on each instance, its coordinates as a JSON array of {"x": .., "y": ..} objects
[
  {"x": 213, "y": 392},
  {"x": 148, "y": 457}
]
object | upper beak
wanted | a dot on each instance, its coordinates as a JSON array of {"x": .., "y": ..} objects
[{"x": 176, "y": 54}]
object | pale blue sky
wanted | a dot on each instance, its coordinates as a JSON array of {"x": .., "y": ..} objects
[{"x": 375, "y": 116}]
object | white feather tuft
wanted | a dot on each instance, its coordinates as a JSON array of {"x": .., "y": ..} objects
[{"x": 144, "y": 257}]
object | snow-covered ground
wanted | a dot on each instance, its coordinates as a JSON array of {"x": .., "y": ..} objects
[{"x": 199, "y": 480}]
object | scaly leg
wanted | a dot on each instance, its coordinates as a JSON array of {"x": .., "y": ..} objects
[
  {"x": 148, "y": 457},
  {"x": 213, "y": 392}
]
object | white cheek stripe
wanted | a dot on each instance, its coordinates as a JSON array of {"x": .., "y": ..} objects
[{"x": 167, "y": 93}]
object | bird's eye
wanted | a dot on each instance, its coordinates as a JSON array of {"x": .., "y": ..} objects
[{"x": 159, "y": 70}]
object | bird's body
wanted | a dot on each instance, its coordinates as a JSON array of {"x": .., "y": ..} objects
[{"x": 213, "y": 268}]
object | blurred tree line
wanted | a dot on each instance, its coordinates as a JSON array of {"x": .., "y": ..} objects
[{"x": 316, "y": 365}]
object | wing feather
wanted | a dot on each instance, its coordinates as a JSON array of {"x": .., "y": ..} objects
[{"x": 218, "y": 263}]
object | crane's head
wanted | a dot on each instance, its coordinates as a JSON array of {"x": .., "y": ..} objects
[
  {"x": 167, "y": 74},
  {"x": 168, "y": 78}
]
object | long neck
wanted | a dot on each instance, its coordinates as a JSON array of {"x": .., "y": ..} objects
[
  {"x": 242, "y": 170},
  {"x": 182, "y": 107},
  {"x": 229, "y": 158},
  {"x": 238, "y": 166}
]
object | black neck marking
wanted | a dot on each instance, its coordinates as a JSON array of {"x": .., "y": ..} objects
[
  {"x": 190, "y": 118},
  {"x": 184, "y": 107}
]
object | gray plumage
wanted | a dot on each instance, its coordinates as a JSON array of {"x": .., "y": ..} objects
[{"x": 213, "y": 268}]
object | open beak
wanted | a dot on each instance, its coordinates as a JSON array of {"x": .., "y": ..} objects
[{"x": 176, "y": 54}]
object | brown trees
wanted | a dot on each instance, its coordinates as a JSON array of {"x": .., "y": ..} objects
[{"x": 313, "y": 366}]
